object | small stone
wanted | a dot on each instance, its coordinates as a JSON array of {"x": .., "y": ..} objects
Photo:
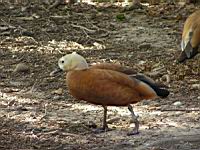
[
  {"x": 57, "y": 97},
  {"x": 58, "y": 91},
  {"x": 35, "y": 15},
  {"x": 21, "y": 67},
  {"x": 177, "y": 103},
  {"x": 129, "y": 56},
  {"x": 195, "y": 86},
  {"x": 91, "y": 124},
  {"x": 141, "y": 62}
]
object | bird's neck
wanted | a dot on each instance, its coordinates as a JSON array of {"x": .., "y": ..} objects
[{"x": 82, "y": 66}]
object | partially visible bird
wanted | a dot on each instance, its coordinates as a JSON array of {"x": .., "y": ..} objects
[
  {"x": 108, "y": 85},
  {"x": 190, "y": 37}
]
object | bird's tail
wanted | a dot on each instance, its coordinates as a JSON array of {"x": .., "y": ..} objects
[{"x": 160, "y": 90}]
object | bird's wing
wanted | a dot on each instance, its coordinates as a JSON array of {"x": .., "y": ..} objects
[
  {"x": 115, "y": 67},
  {"x": 107, "y": 87}
]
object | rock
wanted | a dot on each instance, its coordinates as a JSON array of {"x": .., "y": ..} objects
[
  {"x": 195, "y": 86},
  {"x": 22, "y": 67},
  {"x": 177, "y": 103},
  {"x": 91, "y": 124},
  {"x": 141, "y": 62},
  {"x": 35, "y": 16},
  {"x": 58, "y": 91},
  {"x": 57, "y": 97}
]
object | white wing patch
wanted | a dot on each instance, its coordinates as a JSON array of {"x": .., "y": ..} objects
[{"x": 182, "y": 45}]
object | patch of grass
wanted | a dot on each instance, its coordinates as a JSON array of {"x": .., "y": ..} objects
[{"x": 120, "y": 17}]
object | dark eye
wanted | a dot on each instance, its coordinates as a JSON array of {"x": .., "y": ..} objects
[{"x": 62, "y": 61}]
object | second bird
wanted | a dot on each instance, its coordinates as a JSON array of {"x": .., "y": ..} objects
[{"x": 190, "y": 37}]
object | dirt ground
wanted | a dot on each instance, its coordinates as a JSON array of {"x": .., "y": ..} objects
[{"x": 36, "y": 110}]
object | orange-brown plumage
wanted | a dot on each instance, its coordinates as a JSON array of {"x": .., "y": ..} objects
[
  {"x": 190, "y": 37},
  {"x": 125, "y": 70},
  {"x": 108, "y": 85},
  {"x": 116, "y": 67}
]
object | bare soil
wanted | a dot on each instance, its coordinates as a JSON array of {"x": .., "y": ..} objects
[{"x": 36, "y": 110}]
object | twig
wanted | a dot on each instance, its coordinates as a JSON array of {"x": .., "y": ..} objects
[
  {"x": 45, "y": 109},
  {"x": 92, "y": 37},
  {"x": 8, "y": 24},
  {"x": 33, "y": 87},
  {"x": 84, "y": 28},
  {"x": 95, "y": 25}
]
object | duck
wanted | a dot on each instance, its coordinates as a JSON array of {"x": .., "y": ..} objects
[
  {"x": 190, "y": 37},
  {"x": 108, "y": 85}
]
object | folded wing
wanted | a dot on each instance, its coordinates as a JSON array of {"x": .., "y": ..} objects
[{"x": 108, "y": 87}]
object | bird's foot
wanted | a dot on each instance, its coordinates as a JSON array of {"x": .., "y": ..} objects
[
  {"x": 134, "y": 132},
  {"x": 135, "y": 121},
  {"x": 101, "y": 130}
]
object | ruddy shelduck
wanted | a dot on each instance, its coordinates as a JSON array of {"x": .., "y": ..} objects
[
  {"x": 108, "y": 85},
  {"x": 190, "y": 37}
]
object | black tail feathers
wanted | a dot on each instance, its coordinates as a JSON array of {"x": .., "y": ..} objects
[{"x": 160, "y": 91}]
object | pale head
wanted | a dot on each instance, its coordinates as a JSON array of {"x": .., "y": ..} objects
[{"x": 72, "y": 61}]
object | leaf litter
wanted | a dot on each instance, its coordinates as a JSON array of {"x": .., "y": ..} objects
[{"x": 37, "y": 111}]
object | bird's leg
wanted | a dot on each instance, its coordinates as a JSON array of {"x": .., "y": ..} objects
[
  {"x": 105, "y": 125},
  {"x": 134, "y": 117}
]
